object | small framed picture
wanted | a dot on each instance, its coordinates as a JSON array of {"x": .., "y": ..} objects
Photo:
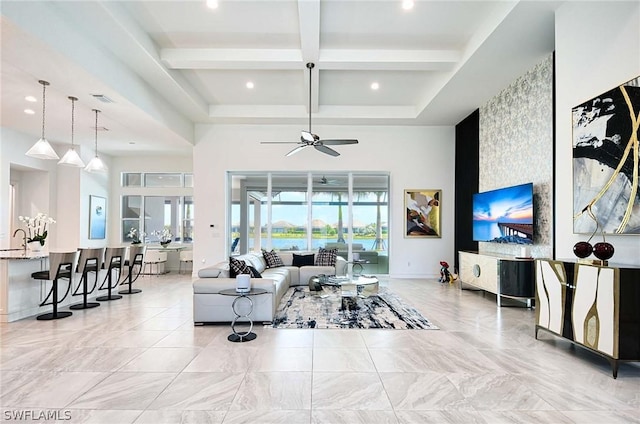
[
  {"x": 422, "y": 208},
  {"x": 97, "y": 217}
]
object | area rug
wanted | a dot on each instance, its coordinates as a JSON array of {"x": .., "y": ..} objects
[{"x": 301, "y": 308}]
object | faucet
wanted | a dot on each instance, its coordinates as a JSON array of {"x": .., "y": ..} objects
[{"x": 24, "y": 238}]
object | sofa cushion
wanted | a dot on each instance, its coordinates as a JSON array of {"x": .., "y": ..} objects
[
  {"x": 326, "y": 257},
  {"x": 272, "y": 259},
  {"x": 303, "y": 260},
  {"x": 237, "y": 267},
  {"x": 254, "y": 272}
]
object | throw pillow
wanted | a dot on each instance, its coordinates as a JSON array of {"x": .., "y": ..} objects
[
  {"x": 272, "y": 259},
  {"x": 237, "y": 267},
  {"x": 254, "y": 272},
  {"x": 326, "y": 257},
  {"x": 302, "y": 260}
]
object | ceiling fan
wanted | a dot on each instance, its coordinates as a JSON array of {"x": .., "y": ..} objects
[
  {"x": 325, "y": 181},
  {"x": 309, "y": 139}
]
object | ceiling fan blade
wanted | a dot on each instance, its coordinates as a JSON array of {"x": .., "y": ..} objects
[
  {"x": 297, "y": 149},
  {"x": 325, "y": 149},
  {"x": 280, "y": 142},
  {"x": 338, "y": 142}
]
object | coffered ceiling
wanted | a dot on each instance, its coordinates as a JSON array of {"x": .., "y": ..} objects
[{"x": 168, "y": 65}]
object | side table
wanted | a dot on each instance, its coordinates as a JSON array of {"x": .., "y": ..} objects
[
  {"x": 246, "y": 336},
  {"x": 358, "y": 263}
]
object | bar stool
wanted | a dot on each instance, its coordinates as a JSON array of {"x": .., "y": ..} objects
[
  {"x": 134, "y": 264},
  {"x": 62, "y": 264},
  {"x": 113, "y": 260},
  {"x": 186, "y": 257},
  {"x": 88, "y": 263}
]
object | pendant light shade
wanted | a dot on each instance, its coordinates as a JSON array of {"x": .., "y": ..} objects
[
  {"x": 42, "y": 149},
  {"x": 71, "y": 158},
  {"x": 96, "y": 164}
]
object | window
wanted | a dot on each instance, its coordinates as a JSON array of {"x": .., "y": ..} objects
[
  {"x": 156, "y": 179},
  {"x": 149, "y": 214},
  {"x": 289, "y": 211}
]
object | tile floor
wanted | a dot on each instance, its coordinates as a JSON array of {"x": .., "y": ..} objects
[{"x": 141, "y": 360}]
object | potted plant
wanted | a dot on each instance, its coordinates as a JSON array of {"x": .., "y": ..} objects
[{"x": 37, "y": 229}]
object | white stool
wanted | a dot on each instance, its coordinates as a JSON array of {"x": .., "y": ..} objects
[
  {"x": 155, "y": 257},
  {"x": 186, "y": 257}
]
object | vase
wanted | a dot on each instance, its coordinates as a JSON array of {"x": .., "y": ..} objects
[{"x": 35, "y": 246}]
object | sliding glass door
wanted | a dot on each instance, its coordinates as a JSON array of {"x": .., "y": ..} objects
[{"x": 306, "y": 211}]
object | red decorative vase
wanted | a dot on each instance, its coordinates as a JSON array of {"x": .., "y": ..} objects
[
  {"x": 603, "y": 251},
  {"x": 582, "y": 249}
]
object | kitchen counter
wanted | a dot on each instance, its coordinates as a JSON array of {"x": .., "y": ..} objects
[{"x": 20, "y": 254}]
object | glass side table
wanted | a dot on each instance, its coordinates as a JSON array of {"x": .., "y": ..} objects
[{"x": 246, "y": 336}]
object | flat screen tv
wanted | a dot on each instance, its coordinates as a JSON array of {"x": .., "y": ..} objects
[{"x": 504, "y": 215}]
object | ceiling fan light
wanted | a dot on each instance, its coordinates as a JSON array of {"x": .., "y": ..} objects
[
  {"x": 42, "y": 150},
  {"x": 71, "y": 158},
  {"x": 96, "y": 165}
]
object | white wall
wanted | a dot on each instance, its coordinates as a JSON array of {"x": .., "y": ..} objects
[
  {"x": 44, "y": 186},
  {"x": 597, "y": 49},
  {"x": 416, "y": 158}
]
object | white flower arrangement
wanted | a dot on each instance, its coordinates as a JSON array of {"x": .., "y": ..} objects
[
  {"x": 37, "y": 227},
  {"x": 163, "y": 235},
  {"x": 135, "y": 237}
]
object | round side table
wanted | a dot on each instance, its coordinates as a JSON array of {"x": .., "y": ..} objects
[{"x": 245, "y": 336}]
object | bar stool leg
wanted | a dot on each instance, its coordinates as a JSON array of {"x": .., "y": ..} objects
[
  {"x": 85, "y": 289},
  {"x": 109, "y": 295},
  {"x": 55, "y": 314},
  {"x": 129, "y": 282}
]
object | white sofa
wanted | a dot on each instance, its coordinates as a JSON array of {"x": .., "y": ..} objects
[{"x": 210, "y": 307}]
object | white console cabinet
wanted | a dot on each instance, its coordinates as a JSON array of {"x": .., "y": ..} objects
[{"x": 500, "y": 275}]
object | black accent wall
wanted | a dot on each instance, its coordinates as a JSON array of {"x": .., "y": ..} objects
[{"x": 467, "y": 176}]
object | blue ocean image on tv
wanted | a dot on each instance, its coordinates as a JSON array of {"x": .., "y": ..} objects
[{"x": 504, "y": 215}]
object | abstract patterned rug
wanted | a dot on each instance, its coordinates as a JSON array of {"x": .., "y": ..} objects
[{"x": 300, "y": 308}]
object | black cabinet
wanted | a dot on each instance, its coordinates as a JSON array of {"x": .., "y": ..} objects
[{"x": 516, "y": 278}]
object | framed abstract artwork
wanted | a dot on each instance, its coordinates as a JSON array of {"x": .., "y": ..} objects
[
  {"x": 606, "y": 162},
  {"x": 422, "y": 212},
  {"x": 97, "y": 217}
]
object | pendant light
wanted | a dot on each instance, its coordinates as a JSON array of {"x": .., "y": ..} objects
[
  {"x": 71, "y": 158},
  {"x": 42, "y": 149},
  {"x": 96, "y": 164}
]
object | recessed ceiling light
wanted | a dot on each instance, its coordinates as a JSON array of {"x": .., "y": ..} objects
[
  {"x": 31, "y": 99},
  {"x": 29, "y": 111},
  {"x": 249, "y": 85},
  {"x": 407, "y": 4},
  {"x": 375, "y": 85},
  {"x": 212, "y": 4}
]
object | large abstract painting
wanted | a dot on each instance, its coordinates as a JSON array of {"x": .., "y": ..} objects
[
  {"x": 423, "y": 213},
  {"x": 605, "y": 161}
]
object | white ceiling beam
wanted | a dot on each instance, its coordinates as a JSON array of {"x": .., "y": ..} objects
[
  {"x": 292, "y": 59},
  {"x": 389, "y": 60},
  {"x": 232, "y": 58},
  {"x": 309, "y": 21},
  {"x": 299, "y": 112}
]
